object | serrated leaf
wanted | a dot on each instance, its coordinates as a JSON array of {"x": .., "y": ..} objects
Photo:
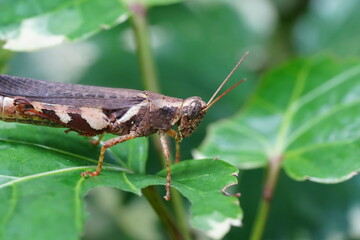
[
  {"x": 200, "y": 181},
  {"x": 40, "y": 183},
  {"x": 305, "y": 112}
]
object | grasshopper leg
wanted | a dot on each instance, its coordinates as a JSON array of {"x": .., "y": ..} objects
[
  {"x": 172, "y": 133},
  {"x": 177, "y": 151},
  {"x": 109, "y": 143},
  {"x": 97, "y": 142},
  {"x": 166, "y": 152}
]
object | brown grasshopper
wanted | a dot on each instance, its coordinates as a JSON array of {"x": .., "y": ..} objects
[{"x": 91, "y": 111}]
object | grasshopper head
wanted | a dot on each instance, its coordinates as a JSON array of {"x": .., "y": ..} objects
[
  {"x": 194, "y": 108},
  {"x": 192, "y": 113}
]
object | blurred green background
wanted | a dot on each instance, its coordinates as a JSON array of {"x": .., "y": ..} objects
[{"x": 196, "y": 43}]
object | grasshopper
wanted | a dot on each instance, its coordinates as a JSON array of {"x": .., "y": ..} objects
[{"x": 92, "y": 110}]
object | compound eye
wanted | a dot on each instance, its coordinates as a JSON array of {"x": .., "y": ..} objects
[{"x": 194, "y": 109}]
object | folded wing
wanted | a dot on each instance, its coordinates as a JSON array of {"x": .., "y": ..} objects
[{"x": 70, "y": 94}]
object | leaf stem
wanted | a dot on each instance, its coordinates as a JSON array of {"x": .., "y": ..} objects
[
  {"x": 5, "y": 56},
  {"x": 178, "y": 205},
  {"x": 157, "y": 204},
  {"x": 272, "y": 176},
  {"x": 145, "y": 55}
]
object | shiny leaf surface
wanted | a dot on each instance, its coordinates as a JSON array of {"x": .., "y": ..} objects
[
  {"x": 40, "y": 182},
  {"x": 304, "y": 112}
]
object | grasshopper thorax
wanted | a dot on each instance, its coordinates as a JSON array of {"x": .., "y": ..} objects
[{"x": 192, "y": 113}]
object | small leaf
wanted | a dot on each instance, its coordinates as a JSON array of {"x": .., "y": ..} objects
[
  {"x": 30, "y": 25},
  {"x": 305, "y": 112},
  {"x": 40, "y": 182}
]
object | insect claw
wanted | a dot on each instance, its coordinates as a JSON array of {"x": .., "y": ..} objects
[
  {"x": 90, "y": 174},
  {"x": 167, "y": 197}
]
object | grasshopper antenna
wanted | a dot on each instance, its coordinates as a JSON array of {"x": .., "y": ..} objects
[
  {"x": 227, "y": 78},
  {"x": 224, "y": 93},
  {"x": 211, "y": 101}
]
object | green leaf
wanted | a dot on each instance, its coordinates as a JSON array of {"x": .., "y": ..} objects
[
  {"x": 36, "y": 24},
  {"x": 31, "y": 25},
  {"x": 40, "y": 183},
  {"x": 132, "y": 155},
  {"x": 306, "y": 113},
  {"x": 160, "y": 2},
  {"x": 201, "y": 181}
]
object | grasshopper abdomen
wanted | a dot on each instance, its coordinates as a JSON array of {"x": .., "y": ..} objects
[{"x": 9, "y": 113}]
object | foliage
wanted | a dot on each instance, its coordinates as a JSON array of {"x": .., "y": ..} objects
[
  {"x": 301, "y": 118},
  {"x": 312, "y": 125},
  {"x": 40, "y": 177}
]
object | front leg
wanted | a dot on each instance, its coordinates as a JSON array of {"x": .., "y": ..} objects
[
  {"x": 109, "y": 143},
  {"x": 172, "y": 133},
  {"x": 166, "y": 152}
]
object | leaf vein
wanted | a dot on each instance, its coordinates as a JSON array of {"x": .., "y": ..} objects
[
  {"x": 129, "y": 183},
  {"x": 328, "y": 85},
  {"x": 289, "y": 113},
  {"x": 77, "y": 204},
  {"x": 319, "y": 146},
  {"x": 49, "y": 148},
  {"x": 318, "y": 119},
  {"x": 59, "y": 171}
]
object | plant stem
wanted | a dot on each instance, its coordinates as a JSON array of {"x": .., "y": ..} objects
[
  {"x": 5, "y": 56},
  {"x": 178, "y": 205},
  {"x": 150, "y": 82},
  {"x": 157, "y": 204},
  {"x": 145, "y": 55},
  {"x": 272, "y": 176}
]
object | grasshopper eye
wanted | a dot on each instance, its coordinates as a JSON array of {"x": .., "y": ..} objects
[
  {"x": 195, "y": 108},
  {"x": 192, "y": 107}
]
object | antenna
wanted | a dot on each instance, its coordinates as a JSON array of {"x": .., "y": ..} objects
[
  {"x": 224, "y": 93},
  {"x": 209, "y": 103}
]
